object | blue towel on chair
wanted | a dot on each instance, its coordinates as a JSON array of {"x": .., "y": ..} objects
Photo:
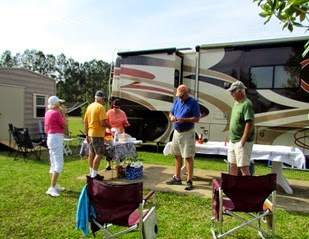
[{"x": 82, "y": 216}]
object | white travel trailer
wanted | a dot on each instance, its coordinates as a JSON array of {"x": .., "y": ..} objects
[{"x": 273, "y": 71}]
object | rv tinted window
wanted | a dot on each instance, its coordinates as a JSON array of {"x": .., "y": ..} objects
[
  {"x": 261, "y": 77},
  {"x": 176, "y": 78},
  {"x": 274, "y": 77},
  {"x": 286, "y": 77}
]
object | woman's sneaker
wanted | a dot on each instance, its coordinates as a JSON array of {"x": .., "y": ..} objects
[
  {"x": 174, "y": 181},
  {"x": 52, "y": 192},
  {"x": 59, "y": 189}
]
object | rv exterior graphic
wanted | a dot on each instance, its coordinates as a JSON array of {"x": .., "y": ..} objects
[{"x": 274, "y": 72}]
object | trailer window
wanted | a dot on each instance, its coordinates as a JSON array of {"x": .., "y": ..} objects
[
  {"x": 274, "y": 77},
  {"x": 39, "y": 106}
]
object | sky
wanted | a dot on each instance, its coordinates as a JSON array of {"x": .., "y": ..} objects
[{"x": 97, "y": 29}]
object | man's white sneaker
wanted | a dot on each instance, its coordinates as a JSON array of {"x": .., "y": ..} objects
[
  {"x": 59, "y": 189},
  {"x": 52, "y": 192}
]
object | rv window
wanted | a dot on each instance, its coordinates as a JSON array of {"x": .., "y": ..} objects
[
  {"x": 176, "y": 79},
  {"x": 261, "y": 77},
  {"x": 274, "y": 77},
  {"x": 286, "y": 77}
]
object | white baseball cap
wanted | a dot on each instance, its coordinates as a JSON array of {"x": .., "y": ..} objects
[
  {"x": 53, "y": 100},
  {"x": 237, "y": 85}
]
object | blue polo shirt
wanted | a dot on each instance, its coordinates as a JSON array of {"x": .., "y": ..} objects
[{"x": 188, "y": 108}]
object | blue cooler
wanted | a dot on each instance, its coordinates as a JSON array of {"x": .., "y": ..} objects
[{"x": 134, "y": 173}]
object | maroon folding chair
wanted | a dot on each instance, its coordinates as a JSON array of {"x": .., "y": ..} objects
[
  {"x": 123, "y": 206},
  {"x": 251, "y": 200}
]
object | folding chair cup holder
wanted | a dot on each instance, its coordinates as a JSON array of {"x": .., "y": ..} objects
[
  {"x": 123, "y": 206},
  {"x": 251, "y": 200}
]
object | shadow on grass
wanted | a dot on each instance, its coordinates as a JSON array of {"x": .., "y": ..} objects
[{"x": 71, "y": 194}]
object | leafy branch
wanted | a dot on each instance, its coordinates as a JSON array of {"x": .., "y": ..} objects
[{"x": 292, "y": 13}]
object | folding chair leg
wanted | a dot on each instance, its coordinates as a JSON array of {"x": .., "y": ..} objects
[
  {"x": 38, "y": 154},
  {"x": 16, "y": 154},
  {"x": 108, "y": 234},
  {"x": 248, "y": 223}
]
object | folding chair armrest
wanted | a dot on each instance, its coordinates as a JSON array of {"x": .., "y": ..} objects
[
  {"x": 149, "y": 194},
  {"x": 268, "y": 204},
  {"x": 216, "y": 198},
  {"x": 215, "y": 184}
]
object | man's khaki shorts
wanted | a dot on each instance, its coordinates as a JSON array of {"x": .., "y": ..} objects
[
  {"x": 96, "y": 145},
  {"x": 240, "y": 155},
  {"x": 183, "y": 144}
]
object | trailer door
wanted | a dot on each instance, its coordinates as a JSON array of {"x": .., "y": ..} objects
[{"x": 11, "y": 110}]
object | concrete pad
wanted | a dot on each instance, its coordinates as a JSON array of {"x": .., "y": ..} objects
[{"x": 155, "y": 176}]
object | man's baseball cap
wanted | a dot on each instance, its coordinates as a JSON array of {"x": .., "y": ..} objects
[
  {"x": 236, "y": 85},
  {"x": 100, "y": 94},
  {"x": 181, "y": 90}
]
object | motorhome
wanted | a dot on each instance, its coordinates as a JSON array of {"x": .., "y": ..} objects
[{"x": 274, "y": 72}]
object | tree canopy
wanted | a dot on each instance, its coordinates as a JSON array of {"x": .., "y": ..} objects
[
  {"x": 292, "y": 13},
  {"x": 75, "y": 81}
]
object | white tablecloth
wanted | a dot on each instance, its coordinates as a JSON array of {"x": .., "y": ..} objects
[{"x": 277, "y": 153}]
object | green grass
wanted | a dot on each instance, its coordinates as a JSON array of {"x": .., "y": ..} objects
[
  {"x": 27, "y": 212},
  {"x": 75, "y": 126}
]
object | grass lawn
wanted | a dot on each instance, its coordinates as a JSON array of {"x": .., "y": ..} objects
[{"x": 27, "y": 212}]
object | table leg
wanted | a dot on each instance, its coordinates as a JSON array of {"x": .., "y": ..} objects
[
  {"x": 79, "y": 146},
  {"x": 66, "y": 146},
  {"x": 116, "y": 167},
  {"x": 183, "y": 170},
  {"x": 281, "y": 180},
  {"x": 66, "y": 149}
]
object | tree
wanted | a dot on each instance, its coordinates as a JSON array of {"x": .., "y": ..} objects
[
  {"x": 292, "y": 13},
  {"x": 75, "y": 81},
  {"x": 6, "y": 59}
]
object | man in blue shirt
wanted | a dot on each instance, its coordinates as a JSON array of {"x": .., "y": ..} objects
[{"x": 184, "y": 114}]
